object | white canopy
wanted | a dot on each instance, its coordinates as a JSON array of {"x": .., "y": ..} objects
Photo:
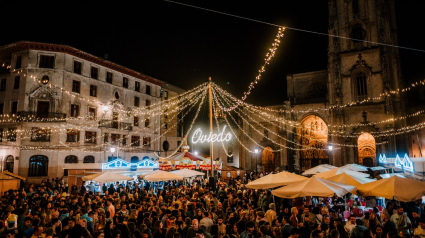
[
  {"x": 275, "y": 180},
  {"x": 150, "y": 173},
  {"x": 186, "y": 173},
  {"x": 349, "y": 179},
  {"x": 319, "y": 169},
  {"x": 336, "y": 171},
  {"x": 377, "y": 168},
  {"x": 313, "y": 187},
  {"x": 354, "y": 167},
  {"x": 389, "y": 175},
  {"x": 162, "y": 176},
  {"x": 400, "y": 189},
  {"x": 106, "y": 177}
]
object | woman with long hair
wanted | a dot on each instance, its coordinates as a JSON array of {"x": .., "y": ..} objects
[
  {"x": 157, "y": 230},
  {"x": 277, "y": 233},
  {"x": 198, "y": 214},
  {"x": 235, "y": 231},
  {"x": 170, "y": 232},
  {"x": 108, "y": 229},
  {"x": 377, "y": 232},
  {"x": 100, "y": 225}
]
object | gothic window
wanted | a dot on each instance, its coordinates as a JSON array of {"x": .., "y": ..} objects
[
  {"x": 355, "y": 5},
  {"x": 357, "y": 32},
  {"x": 39, "y": 165},
  {"x": 71, "y": 159},
  {"x": 88, "y": 159},
  {"x": 361, "y": 86}
]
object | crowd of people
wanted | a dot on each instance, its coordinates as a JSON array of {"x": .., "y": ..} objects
[{"x": 178, "y": 210}]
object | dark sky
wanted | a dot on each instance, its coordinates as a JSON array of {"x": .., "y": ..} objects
[{"x": 184, "y": 46}]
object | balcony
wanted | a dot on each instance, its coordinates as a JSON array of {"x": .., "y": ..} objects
[
  {"x": 41, "y": 116},
  {"x": 115, "y": 124}
]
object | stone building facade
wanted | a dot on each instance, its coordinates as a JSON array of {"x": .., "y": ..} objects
[
  {"x": 82, "y": 103},
  {"x": 336, "y": 106}
]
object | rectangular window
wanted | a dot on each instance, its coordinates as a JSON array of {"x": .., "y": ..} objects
[
  {"x": 90, "y": 137},
  {"x": 14, "y": 108},
  {"x": 75, "y": 110},
  {"x": 109, "y": 77},
  {"x": 147, "y": 122},
  {"x": 361, "y": 86},
  {"x": 165, "y": 113},
  {"x": 18, "y": 63},
  {"x": 16, "y": 82},
  {"x": 136, "y": 101},
  {"x": 1, "y": 134},
  {"x": 105, "y": 138},
  {"x": 136, "y": 121},
  {"x": 115, "y": 138},
  {"x": 135, "y": 141},
  {"x": 147, "y": 141},
  {"x": 137, "y": 86},
  {"x": 93, "y": 91},
  {"x": 92, "y": 113},
  {"x": 148, "y": 90},
  {"x": 125, "y": 82},
  {"x": 77, "y": 67},
  {"x": 165, "y": 95},
  {"x": 47, "y": 62},
  {"x": 94, "y": 72},
  {"x": 72, "y": 135},
  {"x": 166, "y": 125},
  {"x": 39, "y": 134},
  {"x": 178, "y": 146},
  {"x": 11, "y": 135},
  {"x": 1, "y": 108},
  {"x": 179, "y": 131},
  {"x": 124, "y": 140},
  {"x": 3, "y": 85},
  {"x": 76, "y": 86},
  {"x": 148, "y": 104}
]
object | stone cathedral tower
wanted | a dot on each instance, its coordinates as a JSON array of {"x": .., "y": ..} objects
[{"x": 360, "y": 70}]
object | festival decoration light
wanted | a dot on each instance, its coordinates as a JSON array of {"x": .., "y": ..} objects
[{"x": 197, "y": 136}]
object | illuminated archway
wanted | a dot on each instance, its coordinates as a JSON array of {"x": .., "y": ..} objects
[
  {"x": 366, "y": 149},
  {"x": 313, "y": 133}
]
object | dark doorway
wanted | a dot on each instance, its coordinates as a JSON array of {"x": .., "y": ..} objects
[
  {"x": 43, "y": 109},
  {"x": 368, "y": 162},
  {"x": 9, "y": 163}
]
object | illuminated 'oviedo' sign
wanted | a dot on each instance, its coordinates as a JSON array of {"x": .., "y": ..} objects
[{"x": 197, "y": 136}]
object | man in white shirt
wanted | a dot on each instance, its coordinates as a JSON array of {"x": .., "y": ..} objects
[
  {"x": 401, "y": 220},
  {"x": 350, "y": 224},
  {"x": 420, "y": 231}
]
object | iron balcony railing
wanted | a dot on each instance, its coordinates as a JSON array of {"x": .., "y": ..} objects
[
  {"x": 115, "y": 124},
  {"x": 41, "y": 117}
]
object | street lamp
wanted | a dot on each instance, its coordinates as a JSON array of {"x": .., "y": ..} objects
[
  {"x": 330, "y": 148},
  {"x": 196, "y": 153},
  {"x": 256, "y": 158},
  {"x": 105, "y": 109},
  {"x": 112, "y": 151}
]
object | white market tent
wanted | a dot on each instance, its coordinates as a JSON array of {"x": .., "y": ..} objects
[
  {"x": 355, "y": 167},
  {"x": 337, "y": 171},
  {"x": 377, "y": 168},
  {"x": 150, "y": 173},
  {"x": 319, "y": 169},
  {"x": 389, "y": 175},
  {"x": 106, "y": 177},
  {"x": 162, "y": 176},
  {"x": 275, "y": 180},
  {"x": 349, "y": 179},
  {"x": 395, "y": 187},
  {"x": 314, "y": 187},
  {"x": 186, "y": 173}
]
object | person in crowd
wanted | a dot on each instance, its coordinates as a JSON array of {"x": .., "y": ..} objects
[
  {"x": 351, "y": 224},
  {"x": 401, "y": 220},
  {"x": 420, "y": 230},
  {"x": 357, "y": 231}
]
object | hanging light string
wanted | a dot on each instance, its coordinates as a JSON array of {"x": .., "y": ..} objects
[
  {"x": 293, "y": 28},
  {"x": 296, "y": 124},
  {"x": 130, "y": 145},
  {"x": 188, "y": 132},
  {"x": 218, "y": 127},
  {"x": 285, "y": 139}
]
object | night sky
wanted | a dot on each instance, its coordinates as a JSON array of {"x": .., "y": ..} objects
[{"x": 184, "y": 46}]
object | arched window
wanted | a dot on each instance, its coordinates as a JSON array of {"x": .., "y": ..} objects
[
  {"x": 357, "y": 32},
  {"x": 361, "y": 86},
  {"x": 134, "y": 159},
  {"x": 88, "y": 159},
  {"x": 39, "y": 165},
  {"x": 146, "y": 157},
  {"x": 71, "y": 159},
  {"x": 9, "y": 163}
]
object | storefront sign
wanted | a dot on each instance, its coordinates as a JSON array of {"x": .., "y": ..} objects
[{"x": 197, "y": 136}]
